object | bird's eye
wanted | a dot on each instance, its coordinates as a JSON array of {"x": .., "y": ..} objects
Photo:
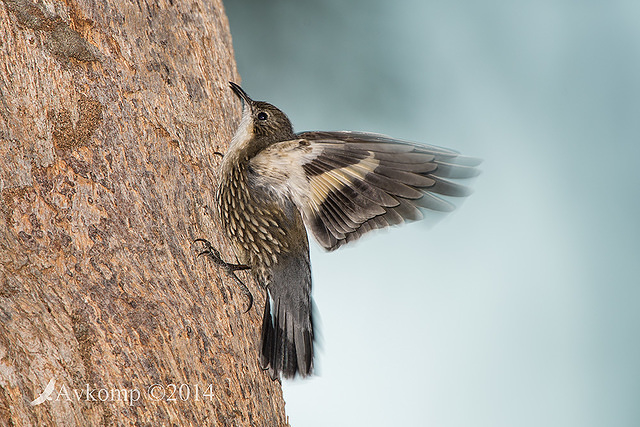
[{"x": 262, "y": 115}]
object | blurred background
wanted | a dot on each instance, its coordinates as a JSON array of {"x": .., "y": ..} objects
[{"x": 522, "y": 308}]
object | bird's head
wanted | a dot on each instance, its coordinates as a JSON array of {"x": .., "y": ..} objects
[{"x": 262, "y": 124}]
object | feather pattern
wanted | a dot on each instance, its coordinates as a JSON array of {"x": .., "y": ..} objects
[{"x": 346, "y": 184}]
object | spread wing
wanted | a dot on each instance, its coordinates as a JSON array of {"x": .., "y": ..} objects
[{"x": 349, "y": 183}]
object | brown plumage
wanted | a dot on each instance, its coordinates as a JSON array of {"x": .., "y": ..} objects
[{"x": 340, "y": 185}]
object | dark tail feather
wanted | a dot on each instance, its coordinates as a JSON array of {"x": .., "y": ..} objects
[
  {"x": 287, "y": 345},
  {"x": 287, "y": 327},
  {"x": 268, "y": 340}
]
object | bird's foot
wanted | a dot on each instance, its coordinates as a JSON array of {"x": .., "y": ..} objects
[{"x": 229, "y": 268}]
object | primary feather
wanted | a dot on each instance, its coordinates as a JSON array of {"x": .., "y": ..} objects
[{"x": 346, "y": 184}]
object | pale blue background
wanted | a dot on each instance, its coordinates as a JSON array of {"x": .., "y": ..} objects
[{"x": 522, "y": 308}]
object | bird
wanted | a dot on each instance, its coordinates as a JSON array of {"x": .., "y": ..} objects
[{"x": 277, "y": 186}]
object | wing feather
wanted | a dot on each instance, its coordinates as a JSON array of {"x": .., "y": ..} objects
[{"x": 349, "y": 183}]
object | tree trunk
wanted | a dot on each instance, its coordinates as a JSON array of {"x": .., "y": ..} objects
[{"x": 110, "y": 112}]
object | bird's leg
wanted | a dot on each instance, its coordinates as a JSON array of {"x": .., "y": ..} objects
[{"x": 229, "y": 268}]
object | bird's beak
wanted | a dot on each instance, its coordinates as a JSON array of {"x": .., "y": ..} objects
[{"x": 241, "y": 93}]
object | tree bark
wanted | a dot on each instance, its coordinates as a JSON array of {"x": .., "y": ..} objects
[{"x": 110, "y": 112}]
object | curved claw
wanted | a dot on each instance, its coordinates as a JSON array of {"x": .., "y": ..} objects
[
  {"x": 213, "y": 253},
  {"x": 229, "y": 268},
  {"x": 246, "y": 291}
]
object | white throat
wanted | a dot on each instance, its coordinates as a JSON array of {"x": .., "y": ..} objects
[{"x": 245, "y": 130}]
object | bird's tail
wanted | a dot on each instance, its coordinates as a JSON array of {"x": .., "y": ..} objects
[{"x": 287, "y": 325}]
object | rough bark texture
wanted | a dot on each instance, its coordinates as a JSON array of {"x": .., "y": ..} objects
[{"x": 110, "y": 112}]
